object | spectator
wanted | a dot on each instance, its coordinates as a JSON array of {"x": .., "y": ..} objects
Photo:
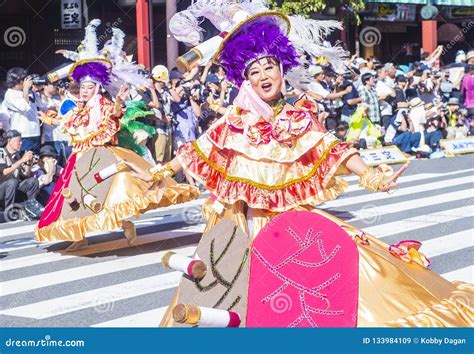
[
  {"x": 185, "y": 110},
  {"x": 417, "y": 114},
  {"x": 362, "y": 132},
  {"x": 405, "y": 136},
  {"x": 369, "y": 96},
  {"x": 386, "y": 93},
  {"x": 401, "y": 85},
  {"x": 391, "y": 131},
  {"x": 16, "y": 175},
  {"x": 47, "y": 171},
  {"x": 427, "y": 89},
  {"x": 49, "y": 102},
  {"x": 470, "y": 57},
  {"x": 22, "y": 105},
  {"x": 162, "y": 143},
  {"x": 341, "y": 131},
  {"x": 445, "y": 86},
  {"x": 350, "y": 101},
  {"x": 433, "y": 131},
  {"x": 457, "y": 128},
  {"x": 318, "y": 89},
  {"x": 60, "y": 138},
  {"x": 467, "y": 88}
]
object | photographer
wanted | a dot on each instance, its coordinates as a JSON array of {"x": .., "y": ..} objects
[
  {"x": 433, "y": 130},
  {"x": 22, "y": 104},
  {"x": 458, "y": 126},
  {"x": 350, "y": 100},
  {"x": 318, "y": 89},
  {"x": 16, "y": 175},
  {"x": 401, "y": 131},
  {"x": 162, "y": 144},
  {"x": 47, "y": 171}
]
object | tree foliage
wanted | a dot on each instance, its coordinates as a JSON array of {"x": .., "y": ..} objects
[{"x": 306, "y": 7}]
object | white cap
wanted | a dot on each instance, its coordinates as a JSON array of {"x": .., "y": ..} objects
[
  {"x": 160, "y": 73},
  {"x": 315, "y": 70}
]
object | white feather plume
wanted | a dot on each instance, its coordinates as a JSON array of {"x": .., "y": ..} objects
[
  {"x": 115, "y": 45},
  {"x": 90, "y": 40},
  {"x": 71, "y": 55},
  {"x": 308, "y": 37},
  {"x": 311, "y": 31},
  {"x": 185, "y": 25},
  {"x": 123, "y": 72},
  {"x": 185, "y": 28}
]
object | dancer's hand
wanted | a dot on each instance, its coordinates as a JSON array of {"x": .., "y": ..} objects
[
  {"x": 123, "y": 93},
  {"x": 138, "y": 172},
  {"x": 390, "y": 182}
]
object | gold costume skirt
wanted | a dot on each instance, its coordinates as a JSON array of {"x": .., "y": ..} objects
[
  {"x": 392, "y": 292},
  {"x": 121, "y": 196}
]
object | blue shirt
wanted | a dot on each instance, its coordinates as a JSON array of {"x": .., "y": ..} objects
[{"x": 347, "y": 109}]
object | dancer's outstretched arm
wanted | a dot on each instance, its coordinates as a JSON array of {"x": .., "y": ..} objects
[
  {"x": 170, "y": 168},
  {"x": 373, "y": 179}
]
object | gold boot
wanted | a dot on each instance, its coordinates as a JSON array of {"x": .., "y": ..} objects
[
  {"x": 130, "y": 232},
  {"x": 77, "y": 245}
]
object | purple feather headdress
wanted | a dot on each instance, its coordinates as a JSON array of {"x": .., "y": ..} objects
[
  {"x": 94, "y": 70},
  {"x": 256, "y": 39}
]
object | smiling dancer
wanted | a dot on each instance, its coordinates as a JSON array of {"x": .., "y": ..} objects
[
  {"x": 269, "y": 155},
  {"x": 95, "y": 191}
]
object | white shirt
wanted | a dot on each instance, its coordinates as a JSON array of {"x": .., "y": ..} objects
[
  {"x": 48, "y": 130},
  {"x": 317, "y": 88},
  {"x": 23, "y": 114},
  {"x": 418, "y": 117},
  {"x": 383, "y": 88},
  {"x": 4, "y": 119}
]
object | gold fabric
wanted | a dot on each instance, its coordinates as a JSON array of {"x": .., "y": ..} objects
[
  {"x": 128, "y": 196},
  {"x": 392, "y": 293}
]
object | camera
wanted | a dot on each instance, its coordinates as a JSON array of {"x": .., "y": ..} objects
[
  {"x": 62, "y": 84},
  {"x": 37, "y": 80},
  {"x": 40, "y": 81},
  {"x": 347, "y": 76}
]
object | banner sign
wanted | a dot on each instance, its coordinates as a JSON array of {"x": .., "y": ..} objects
[
  {"x": 458, "y": 146},
  {"x": 230, "y": 341},
  {"x": 71, "y": 14},
  {"x": 384, "y": 155},
  {"x": 391, "y": 12}
]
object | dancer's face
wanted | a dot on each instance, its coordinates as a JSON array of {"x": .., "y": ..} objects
[
  {"x": 87, "y": 90},
  {"x": 266, "y": 78}
]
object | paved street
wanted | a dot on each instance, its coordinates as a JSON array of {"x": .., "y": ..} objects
[{"x": 112, "y": 284}]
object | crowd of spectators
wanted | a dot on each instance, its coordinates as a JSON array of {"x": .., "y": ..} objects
[{"x": 369, "y": 104}]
